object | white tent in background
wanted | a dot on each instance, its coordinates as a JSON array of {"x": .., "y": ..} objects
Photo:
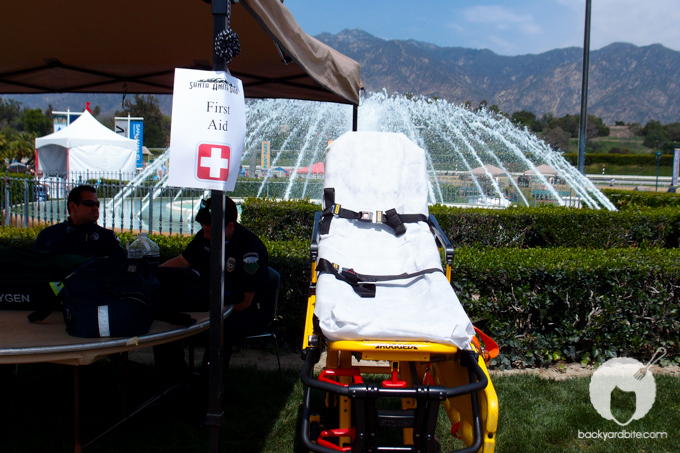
[
  {"x": 86, "y": 146},
  {"x": 488, "y": 169},
  {"x": 542, "y": 169}
]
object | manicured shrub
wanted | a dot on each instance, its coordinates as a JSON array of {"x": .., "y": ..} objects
[
  {"x": 615, "y": 292},
  {"x": 522, "y": 227},
  {"x": 627, "y": 199},
  {"x": 279, "y": 220},
  {"x": 559, "y": 227},
  {"x": 543, "y": 305},
  {"x": 18, "y": 237}
]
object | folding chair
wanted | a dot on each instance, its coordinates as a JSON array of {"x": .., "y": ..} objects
[
  {"x": 268, "y": 312},
  {"x": 379, "y": 294}
]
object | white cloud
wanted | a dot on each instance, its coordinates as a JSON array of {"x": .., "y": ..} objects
[
  {"x": 455, "y": 27},
  {"x": 577, "y": 5},
  {"x": 640, "y": 23},
  {"x": 502, "y": 45},
  {"x": 502, "y": 19}
]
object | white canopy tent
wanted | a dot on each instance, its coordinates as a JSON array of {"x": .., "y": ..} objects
[{"x": 86, "y": 147}]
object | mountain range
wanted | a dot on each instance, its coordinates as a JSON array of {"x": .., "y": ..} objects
[{"x": 626, "y": 82}]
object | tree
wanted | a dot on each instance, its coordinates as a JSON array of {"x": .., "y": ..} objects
[
  {"x": 655, "y": 136},
  {"x": 10, "y": 113},
  {"x": 527, "y": 119},
  {"x": 15, "y": 145},
  {"x": 37, "y": 123},
  {"x": 556, "y": 138},
  {"x": 156, "y": 125},
  {"x": 672, "y": 132},
  {"x": 661, "y": 137}
]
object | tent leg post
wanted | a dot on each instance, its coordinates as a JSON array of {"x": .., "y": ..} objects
[
  {"x": 77, "y": 447},
  {"x": 221, "y": 11}
]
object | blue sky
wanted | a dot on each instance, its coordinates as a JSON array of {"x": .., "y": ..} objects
[{"x": 510, "y": 27}]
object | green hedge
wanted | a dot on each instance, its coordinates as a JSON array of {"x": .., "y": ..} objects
[
  {"x": 18, "y": 237},
  {"x": 517, "y": 227},
  {"x": 540, "y": 304},
  {"x": 279, "y": 220},
  {"x": 621, "y": 159},
  {"x": 543, "y": 305},
  {"x": 627, "y": 199},
  {"x": 559, "y": 227}
]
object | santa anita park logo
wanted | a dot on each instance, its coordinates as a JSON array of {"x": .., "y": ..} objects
[{"x": 628, "y": 376}]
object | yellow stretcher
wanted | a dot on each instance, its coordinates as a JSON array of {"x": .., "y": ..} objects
[{"x": 422, "y": 375}]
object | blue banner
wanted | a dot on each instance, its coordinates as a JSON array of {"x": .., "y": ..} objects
[{"x": 137, "y": 133}]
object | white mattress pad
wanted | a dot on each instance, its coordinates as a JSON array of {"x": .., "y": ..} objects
[{"x": 378, "y": 171}]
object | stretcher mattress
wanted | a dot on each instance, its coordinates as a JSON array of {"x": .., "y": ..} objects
[{"x": 378, "y": 171}]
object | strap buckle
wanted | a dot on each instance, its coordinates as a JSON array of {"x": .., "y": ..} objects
[{"x": 365, "y": 216}]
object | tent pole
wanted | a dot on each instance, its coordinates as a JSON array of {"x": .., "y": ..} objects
[
  {"x": 221, "y": 10},
  {"x": 355, "y": 117}
]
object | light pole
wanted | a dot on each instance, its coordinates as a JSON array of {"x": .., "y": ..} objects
[
  {"x": 658, "y": 161},
  {"x": 583, "y": 120}
]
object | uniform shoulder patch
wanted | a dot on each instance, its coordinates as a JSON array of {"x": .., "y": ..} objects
[{"x": 251, "y": 262}]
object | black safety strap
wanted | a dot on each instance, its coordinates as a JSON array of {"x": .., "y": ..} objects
[
  {"x": 363, "y": 284},
  {"x": 391, "y": 218}
]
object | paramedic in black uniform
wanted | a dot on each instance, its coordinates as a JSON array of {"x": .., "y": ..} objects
[
  {"x": 80, "y": 234},
  {"x": 246, "y": 273}
]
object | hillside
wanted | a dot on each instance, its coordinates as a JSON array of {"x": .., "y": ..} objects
[{"x": 626, "y": 83}]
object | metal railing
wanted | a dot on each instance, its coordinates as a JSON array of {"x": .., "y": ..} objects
[
  {"x": 149, "y": 206},
  {"x": 152, "y": 206}
]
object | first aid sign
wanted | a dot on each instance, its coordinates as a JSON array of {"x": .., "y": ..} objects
[{"x": 208, "y": 130}]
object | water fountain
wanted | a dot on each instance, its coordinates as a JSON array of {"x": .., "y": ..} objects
[
  {"x": 456, "y": 140},
  {"x": 460, "y": 145}
]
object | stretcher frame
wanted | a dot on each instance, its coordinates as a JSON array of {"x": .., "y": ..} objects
[{"x": 457, "y": 379}]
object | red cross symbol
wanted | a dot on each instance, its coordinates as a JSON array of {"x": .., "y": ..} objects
[{"x": 213, "y": 162}]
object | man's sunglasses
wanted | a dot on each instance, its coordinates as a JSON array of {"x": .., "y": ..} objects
[{"x": 88, "y": 203}]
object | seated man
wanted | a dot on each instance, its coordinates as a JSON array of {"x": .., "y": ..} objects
[
  {"x": 246, "y": 275},
  {"x": 80, "y": 234}
]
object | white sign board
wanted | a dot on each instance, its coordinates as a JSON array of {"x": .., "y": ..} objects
[{"x": 208, "y": 130}]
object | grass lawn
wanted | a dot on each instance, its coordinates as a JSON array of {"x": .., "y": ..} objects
[{"x": 262, "y": 414}]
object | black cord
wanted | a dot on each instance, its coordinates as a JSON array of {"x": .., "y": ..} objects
[{"x": 227, "y": 45}]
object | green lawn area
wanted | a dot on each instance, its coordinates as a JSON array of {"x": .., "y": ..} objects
[{"x": 262, "y": 414}]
